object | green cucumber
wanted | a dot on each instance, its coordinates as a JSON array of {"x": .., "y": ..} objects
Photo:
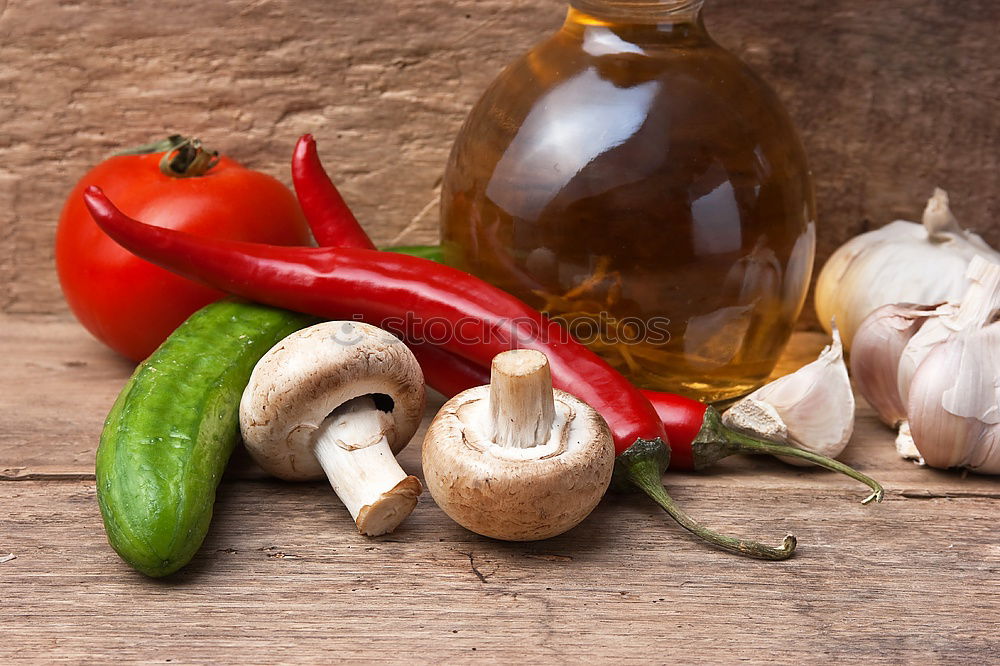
[{"x": 172, "y": 429}]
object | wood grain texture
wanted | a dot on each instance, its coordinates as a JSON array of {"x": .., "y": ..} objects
[
  {"x": 892, "y": 97},
  {"x": 285, "y": 578}
]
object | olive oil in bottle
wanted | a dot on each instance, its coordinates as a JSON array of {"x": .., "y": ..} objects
[{"x": 633, "y": 179}]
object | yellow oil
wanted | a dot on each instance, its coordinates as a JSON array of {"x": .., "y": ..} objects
[{"x": 637, "y": 181}]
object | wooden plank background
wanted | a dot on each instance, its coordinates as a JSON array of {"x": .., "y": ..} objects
[{"x": 892, "y": 98}]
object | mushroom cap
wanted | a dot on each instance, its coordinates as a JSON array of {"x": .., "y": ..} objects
[
  {"x": 302, "y": 379},
  {"x": 511, "y": 493}
]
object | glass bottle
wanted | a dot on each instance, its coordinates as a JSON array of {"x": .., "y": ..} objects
[{"x": 637, "y": 181}]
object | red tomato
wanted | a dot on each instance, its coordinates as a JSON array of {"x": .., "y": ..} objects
[{"x": 130, "y": 304}]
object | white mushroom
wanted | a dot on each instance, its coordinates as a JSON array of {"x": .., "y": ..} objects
[
  {"x": 339, "y": 398},
  {"x": 516, "y": 460}
]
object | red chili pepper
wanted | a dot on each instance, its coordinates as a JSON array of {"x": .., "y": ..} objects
[
  {"x": 388, "y": 289},
  {"x": 331, "y": 220},
  {"x": 697, "y": 437},
  {"x": 384, "y": 287},
  {"x": 333, "y": 224}
]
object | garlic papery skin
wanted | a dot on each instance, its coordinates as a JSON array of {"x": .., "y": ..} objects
[
  {"x": 954, "y": 404},
  {"x": 902, "y": 262},
  {"x": 878, "y": 346},
  {"x": 812, "y": 408},
  {"x": 980, "y": 302}
]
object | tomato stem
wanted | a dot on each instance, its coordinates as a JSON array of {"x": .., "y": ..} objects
[
  {"x": 183, "y": 157},
  {"x": 188, "y": 159},
  {"x": 160, "y": 146},
  {"x": 643, "y": 464}
]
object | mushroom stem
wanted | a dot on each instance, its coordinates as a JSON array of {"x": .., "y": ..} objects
[
  {"x": 522, "y": 405},
  {"x": 353, "y": 450}
]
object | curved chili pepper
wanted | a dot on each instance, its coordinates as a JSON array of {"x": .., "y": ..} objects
[
  {"x": 333, "y": 224},
  {"x": 331, "y": 219},
  {"x": 384, "y": 287},
  {"x": 339, "y": 283},
  {"x": 697, "y": 437}
]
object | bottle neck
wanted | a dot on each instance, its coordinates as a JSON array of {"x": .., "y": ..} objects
[{"x": 640, "y": 11}]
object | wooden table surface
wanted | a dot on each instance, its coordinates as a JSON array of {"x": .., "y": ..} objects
[{"x": 284, "y": 576}]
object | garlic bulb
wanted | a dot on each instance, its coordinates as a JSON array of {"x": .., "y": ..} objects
[
  {"x": 812, "y": 408},
  {"x": 902, "y": 262},
  {"x": 954, "y": 403},
  {"x": 878, "y": 346},
  {"x": 979, "y": 303}
]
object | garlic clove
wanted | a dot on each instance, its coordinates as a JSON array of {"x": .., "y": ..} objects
[
  {"x": 902, "y": 262},
  {"x": 878, "y": 346},
  {"x": 954, "y": 402},
  {"x": 761, "y": 419},
  {"x": 815, "y": 406},
  {"x": 979, "y": 302}
]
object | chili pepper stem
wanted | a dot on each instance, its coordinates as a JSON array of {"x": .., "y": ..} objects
[
  {"x": 716, "y": 441},
  {"x": 643, "y": 465}
]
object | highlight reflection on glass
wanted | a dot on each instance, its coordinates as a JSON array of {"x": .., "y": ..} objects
[
  {"x": 564, "y": 133},
  {"x": 629, "y": 171}
]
